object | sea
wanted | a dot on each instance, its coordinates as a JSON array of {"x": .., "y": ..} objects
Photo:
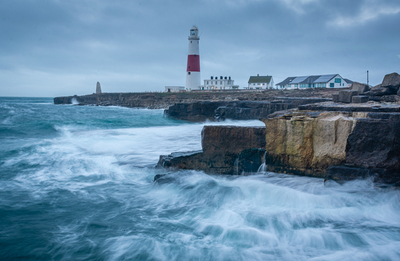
[{"x": 77, "y": 183}]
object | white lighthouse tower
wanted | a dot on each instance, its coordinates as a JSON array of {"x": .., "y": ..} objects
[{"x": 193, "y": 62}]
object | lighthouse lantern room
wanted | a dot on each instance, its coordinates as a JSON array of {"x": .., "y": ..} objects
[{"x": 193, "y": 62}]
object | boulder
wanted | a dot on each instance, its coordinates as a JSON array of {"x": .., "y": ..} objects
[
  {"x": 391, "y": 80},
  {"x": 346, "y": 96},
  {"x": 232, "y": 139},
  {"x": 380, "y": 90},
  {"x": 335, "y": 97},
  {"x": 359, "y": 87},
  {"x": 360, "y": 99},
  {"x": 390, "y": 85}
]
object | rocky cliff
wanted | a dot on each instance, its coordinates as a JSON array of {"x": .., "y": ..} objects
[
  {"x": 328, "y": 143},
  {"x": 358, "y": 141}
]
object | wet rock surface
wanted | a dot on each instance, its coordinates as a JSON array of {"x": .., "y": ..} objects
[
  {"x": 359, "y": 87},
  {"x": 346, "y": 96}
]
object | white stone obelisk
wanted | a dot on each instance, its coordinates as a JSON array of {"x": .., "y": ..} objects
[{"x": 98, "y": 88}]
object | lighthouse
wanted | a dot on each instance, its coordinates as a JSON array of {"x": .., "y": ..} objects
[{"x": 193, "y": 62}]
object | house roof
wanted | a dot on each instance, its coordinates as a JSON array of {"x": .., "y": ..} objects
[
  {"x": 286, "y": 81},
  {"x": 348, "y": 81},
  {"x": 308, "y": 79},
  {"x": 260, "y": 79}
]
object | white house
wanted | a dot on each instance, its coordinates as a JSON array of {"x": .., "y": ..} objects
[
  {"x": 221, "y": 83},
  {"x": 260, "y": 82},
  {"x": 174, "y": 89},
  {"x": 314, "y": 81}
]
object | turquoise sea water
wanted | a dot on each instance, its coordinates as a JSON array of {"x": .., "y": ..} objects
[{"x": 76, "y": 183}]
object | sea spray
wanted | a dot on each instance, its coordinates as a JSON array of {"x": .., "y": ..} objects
[
  {"x": 74, "y": 101},
  {"x": 263, "y": 167}
]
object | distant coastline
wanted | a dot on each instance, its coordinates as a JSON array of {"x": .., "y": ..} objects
[{"x": 155, "y": 100}]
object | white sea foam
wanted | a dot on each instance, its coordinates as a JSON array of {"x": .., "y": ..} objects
[{"x": 74, "y": 101}]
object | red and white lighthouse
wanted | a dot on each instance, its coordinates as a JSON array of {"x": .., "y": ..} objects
[{"x": 193, "y": 62}]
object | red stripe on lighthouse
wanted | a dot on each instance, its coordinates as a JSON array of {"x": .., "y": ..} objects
[{"x": 193, "y": 64}]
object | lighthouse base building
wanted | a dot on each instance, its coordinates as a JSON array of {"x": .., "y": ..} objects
[{"x": 219, "y": 83}]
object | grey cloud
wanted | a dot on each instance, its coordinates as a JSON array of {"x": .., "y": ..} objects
[{"x": 142, "y": 45}]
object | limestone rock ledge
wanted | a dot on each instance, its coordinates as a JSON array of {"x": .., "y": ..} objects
[
  {"x": 225, "y": 150},
  {"x": 328, "y": 143},
  {"x": 235, "y": 110},
  {"x": 339, "y": 142}
]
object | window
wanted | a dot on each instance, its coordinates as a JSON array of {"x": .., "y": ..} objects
[
  {"x": 331, "y": 85},
  {"x": 338, "y": 80}
]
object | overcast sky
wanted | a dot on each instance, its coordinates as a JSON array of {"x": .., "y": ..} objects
[{"x": 56, "y": 48}]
